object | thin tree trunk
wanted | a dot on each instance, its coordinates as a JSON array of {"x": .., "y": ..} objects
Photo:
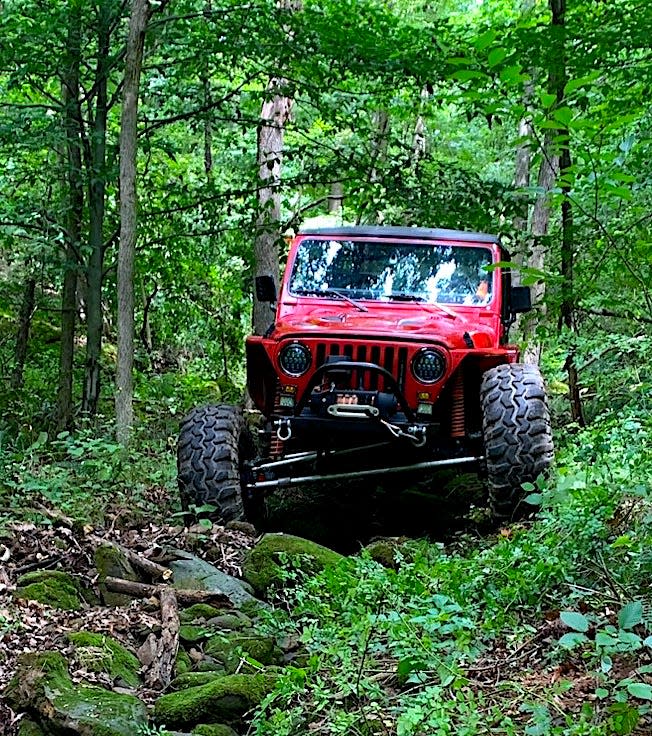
[
  {"x": 22, "y": 330},
  {"x": 73, "y": 221},
  {"x": 537, "y": 245},
  {"x": 558, "y": 9},
  {"x": 208, "y": 129},
  {"x": 335, "y": 198},
  {"x": 96, "y": 195},
  {"x": 128, "y": 219},
  {"x": 274, "y": 115}
]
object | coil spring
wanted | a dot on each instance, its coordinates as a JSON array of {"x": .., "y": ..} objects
[
  {"x": 457, "y": 407},
  {"x": 276, "y": 445}
]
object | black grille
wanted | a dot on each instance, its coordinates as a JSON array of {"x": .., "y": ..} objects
[{"x": 387, "y": 356}]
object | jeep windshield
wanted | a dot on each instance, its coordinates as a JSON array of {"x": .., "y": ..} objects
[{"x": 398, "y": 271}]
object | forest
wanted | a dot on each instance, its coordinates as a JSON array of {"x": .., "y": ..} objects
[{"x": 158, "y": 156}]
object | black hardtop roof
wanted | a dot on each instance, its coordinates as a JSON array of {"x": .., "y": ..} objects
[{"x": 382, "y": 231}]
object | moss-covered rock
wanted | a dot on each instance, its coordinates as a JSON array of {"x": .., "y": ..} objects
[
  {"x": 29, "y": 728},
  {"x": 263, "y": 568},
  {"x": 213, "y": 729},
  {"x": 194, "y": 679},
  {"x": 191, "y": 633},
  {"x": 111, "y": 562},
  {"x": 51, "y": 587},
  {"x": 200, "y": 612},
  {"x": 384, "y": 552},
  {"x": 227, "y": 649},
  {"x": 210, "y": 664},
  {"x": 41, "y": 686},
  {"x": 99, "y": 653},
  {"x": 224, "y": 700},
  {"x": 183, "y": 663},
  {"x": 230, "y": 621}
]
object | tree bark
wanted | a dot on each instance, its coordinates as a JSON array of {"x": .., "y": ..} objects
[
  {"x": 165, "y": 649},
  {"x": 208, "y": 129},
  {"x": 274, "y": 115},
  {"x": 96, "y": 193},
  {"x": 73, "y": 220},
  {"x": 128, "y": 219},
  {"x": 558, "y": 9},
  {"x": 537, "y": 245},
  {"x": 22, "y": 330}
]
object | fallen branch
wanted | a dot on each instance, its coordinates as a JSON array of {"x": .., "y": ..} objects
[
  {"x": 145, "y": 590},
  {"x": 164, "y": 650},
  {"x": 151, "y": 568}
]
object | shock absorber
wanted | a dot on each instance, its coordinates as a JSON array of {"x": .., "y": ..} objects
[{"x": 457, "y": 406}]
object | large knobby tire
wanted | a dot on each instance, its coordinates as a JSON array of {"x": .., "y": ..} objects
[
  {"x": 517, "y": 433},
  {"x": 211, "y": 440}
]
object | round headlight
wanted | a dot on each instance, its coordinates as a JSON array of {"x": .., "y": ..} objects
[
  {"x": 294, "y": 359},
  {"x": 428, "y": 365}
]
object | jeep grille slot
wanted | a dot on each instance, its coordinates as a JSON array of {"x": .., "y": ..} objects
[{"x": 392, "y": 359}]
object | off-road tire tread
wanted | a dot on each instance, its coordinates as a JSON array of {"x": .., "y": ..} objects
[
  {"x": 208, "y": 460},
  {"x": 517, "y": 433}
]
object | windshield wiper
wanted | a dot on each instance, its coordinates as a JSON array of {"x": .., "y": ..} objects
[
  {"x": 331, "y": 293},
  {"x": 406, "y": 298},
  {"x": 422, "y": 300}
]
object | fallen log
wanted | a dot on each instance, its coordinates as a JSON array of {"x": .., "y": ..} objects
[{"x": 146, "y": 590}]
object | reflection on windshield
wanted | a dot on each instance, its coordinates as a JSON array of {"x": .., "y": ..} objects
[{"x": 444, "y": 274}]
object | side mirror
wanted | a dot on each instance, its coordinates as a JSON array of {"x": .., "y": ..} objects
[
  {"x": 265, "y": 288},
  {"x": 520, "y": 299}
]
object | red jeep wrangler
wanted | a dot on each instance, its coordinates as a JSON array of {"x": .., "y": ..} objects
[{"x": 387, "y": 353}]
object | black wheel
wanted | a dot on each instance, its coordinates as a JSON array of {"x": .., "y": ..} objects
[
  {"x": 517, "y": 433},
  {"x": 212, "y": 442}
]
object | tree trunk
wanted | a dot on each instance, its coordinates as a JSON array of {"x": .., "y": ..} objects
[
  {"x": 275, "y": 113},
  {"x": 22, "y": 330},
  {"x": 208, "y": 129},
  {"x": 73, "y": 221},
  {"x": 558, "y": 9},
  {"x": 537, "y": 246},
  {"x": 128, "y": 219},
  {"x": 335, "y": 198},
  {"x": 96, "y": 193}
]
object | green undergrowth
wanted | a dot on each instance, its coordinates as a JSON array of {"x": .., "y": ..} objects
[
  {"x": 85, "y": 477},
  {"x": 433, "y": 647}
]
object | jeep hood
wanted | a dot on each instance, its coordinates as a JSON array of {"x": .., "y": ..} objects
[{"x": 424, "y": 324}]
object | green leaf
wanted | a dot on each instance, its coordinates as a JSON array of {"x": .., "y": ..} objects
[
  {"x": 574, "y": 84},
  {"x": 564, "y": 115},
  {"x": 604, "y": 639},
  {"x": 601, "y": 693},
  {"x": 511, "y": 74},
  {"x": 575, "y": 620},
  {"x": 464, "y": 75},
  {"x": 640, "y": 690},
  {"x": 485, "y": 39},
  {"x": 496, "y": 56},
  {"x": 548, "y": 100},
  {"x": 571, "y": 640},
  {"x": 534, "y": 499},
  {"x": 630, "y": 615},
  {"x": 648, "y": 642}
]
